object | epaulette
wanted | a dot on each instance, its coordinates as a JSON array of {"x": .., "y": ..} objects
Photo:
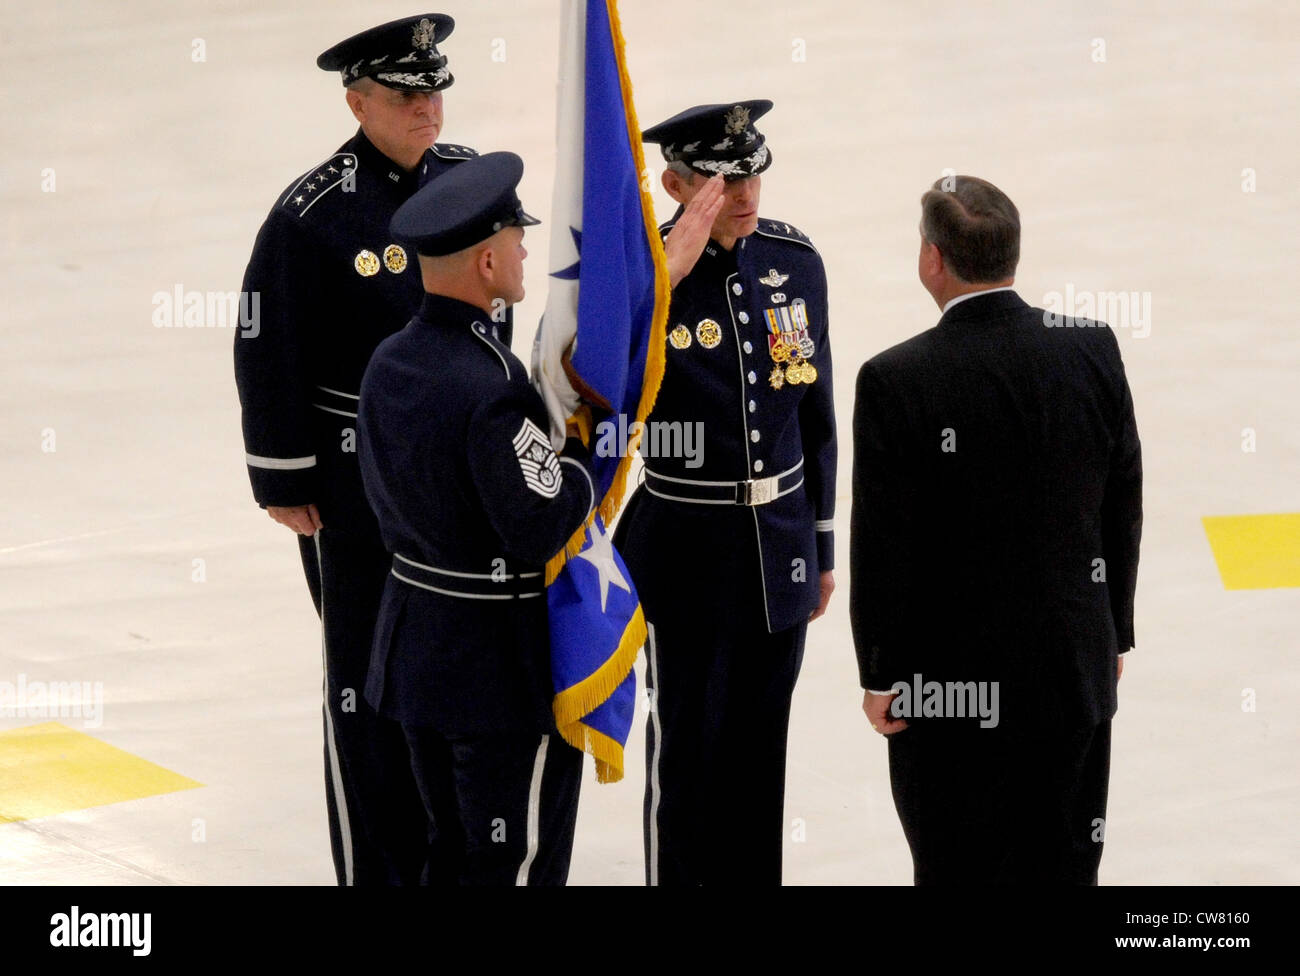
[
  {"x": 318, "y": 181},
  {"x": 449, "y": 150},
  {"x": 783, "y": 231}
]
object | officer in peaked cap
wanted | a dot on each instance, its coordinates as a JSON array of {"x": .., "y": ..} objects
[
  {"x": 726, "y": 632},
  {"x": 472, "y": 501},
  {"x": 330, "y": 281}
]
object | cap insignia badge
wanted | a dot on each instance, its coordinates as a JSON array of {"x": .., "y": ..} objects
[
  {"x": 737, "y": 120},
  {"x": 422, "y": 35}
]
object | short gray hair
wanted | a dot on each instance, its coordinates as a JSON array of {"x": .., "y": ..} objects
[
  {"x": 682, "y": 170},
  {"x": 974, "y": 225}
]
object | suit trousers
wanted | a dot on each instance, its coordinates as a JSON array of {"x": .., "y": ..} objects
[
  {"x": 720, "y": 693},
  {"x": 378, "y": 831},
  {"x": 1001, "y": 806},
  {"x": 501, "y": 808}
]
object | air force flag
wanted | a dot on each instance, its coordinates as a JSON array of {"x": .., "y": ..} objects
[{"x": 607, "y": 306}]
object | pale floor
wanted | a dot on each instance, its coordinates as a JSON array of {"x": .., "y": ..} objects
[{"x": 1128, "y": 173}]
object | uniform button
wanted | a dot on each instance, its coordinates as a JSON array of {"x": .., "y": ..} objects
[
  {"x": 479, "y": 327},
  {"x": 752, "y": 406},
  {"x": 753, "y": 436},
  {"x": 748, "y": 347},
  {"x": 758, "y": 466},
  {"x": 736, "y": 289},
  {"x": 752, "y": 378},
  {"x": 744, "y": 318}
]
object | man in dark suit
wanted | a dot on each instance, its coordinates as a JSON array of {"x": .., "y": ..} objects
[{"x": 996, "y": 520}]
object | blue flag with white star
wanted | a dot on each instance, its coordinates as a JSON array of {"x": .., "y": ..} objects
[{"x": 605, "y": 312}]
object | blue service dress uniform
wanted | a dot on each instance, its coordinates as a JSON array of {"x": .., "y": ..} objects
[
  {"x": 331, "y": 283},
  {"x": 472, "y": 501},
  {"x": 727, "y": 555}
]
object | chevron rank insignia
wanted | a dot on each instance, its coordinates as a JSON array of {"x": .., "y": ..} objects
[{"x": 537, "y": 460}]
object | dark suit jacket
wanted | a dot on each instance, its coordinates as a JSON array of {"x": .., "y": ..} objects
[{"x": 996, "y": 461}]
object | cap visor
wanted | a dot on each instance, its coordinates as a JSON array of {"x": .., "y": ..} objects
[{"x": 415, "y": 81}]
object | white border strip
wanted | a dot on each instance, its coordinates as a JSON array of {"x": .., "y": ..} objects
[
  {"x": 336, "y": 773},
  {"x": 280, "y": 464},
  {"x": 534, "y": 812},
  {"x": 654, "y": 764}
]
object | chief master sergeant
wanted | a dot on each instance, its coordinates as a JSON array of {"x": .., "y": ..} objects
[
  {"x": 731, "y": 559},
  {"x": 331, "y": 282},
  {"x": 472, "y": 501}
]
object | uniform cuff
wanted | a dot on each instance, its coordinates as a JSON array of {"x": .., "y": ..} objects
[
  {"x": 826, "y": 549},
  {"x": 284, "y": 487}
]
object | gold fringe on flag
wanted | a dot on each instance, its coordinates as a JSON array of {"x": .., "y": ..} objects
[{"x": 571, "y": 704}]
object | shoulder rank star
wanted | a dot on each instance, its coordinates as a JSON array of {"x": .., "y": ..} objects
[{"x": 774, "y": 278}]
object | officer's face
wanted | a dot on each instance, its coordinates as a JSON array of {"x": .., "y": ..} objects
[
  {"x": 739, "y": 214},
  {"x": 402, "y": 124}
]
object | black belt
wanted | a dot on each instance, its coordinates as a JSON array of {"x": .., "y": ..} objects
[
  {"x": 755, "y": 491},
  {"x": 466, "y": 585}
]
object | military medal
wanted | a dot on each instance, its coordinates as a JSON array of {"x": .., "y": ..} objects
[
  {"x": 366, "y": 263},
  {"x": 776, "y": 378},
  {"x": 394, "y": 258},
  {"x": 680, "y": 337},
  {"x": 794, "y": 373},
  {"x": 779, "y": 351},
  {"x": 809, "y": 373},
  {"x": 709, "y": 333},
  {"x": 806, "y": 347}
]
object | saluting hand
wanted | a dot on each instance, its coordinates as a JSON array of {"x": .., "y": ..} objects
[
  {"x": 303, "y": 519},
  {"x": 685, "y": 242}
]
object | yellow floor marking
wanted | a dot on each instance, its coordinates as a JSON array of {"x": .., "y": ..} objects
[
  {"x": 1255, "y": 552},
  {"x": 49, "y": 768}
]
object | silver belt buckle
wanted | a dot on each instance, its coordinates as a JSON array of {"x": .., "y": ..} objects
[{"x": 759, "y": 491}]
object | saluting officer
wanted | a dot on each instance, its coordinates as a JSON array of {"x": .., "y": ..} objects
[
  {"x": 332, "y": 281},
  {"x": 731, "y": 557},
  {"x": 472, "y": 501}
]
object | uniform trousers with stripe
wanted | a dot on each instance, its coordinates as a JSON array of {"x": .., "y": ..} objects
[
  {"x": 720, "y": 692},
  {"x": 501, "y": 808},
  {"x": 378, "y": 832},
  {"x": 1001, "y": 806}
]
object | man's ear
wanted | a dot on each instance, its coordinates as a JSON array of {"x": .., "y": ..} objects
[
  {"x": 673, "y": 183},
  {"x": 933, "y": 259},
  {"x": 486, "y": 263},
  {"x": 357, "y": 103}
]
